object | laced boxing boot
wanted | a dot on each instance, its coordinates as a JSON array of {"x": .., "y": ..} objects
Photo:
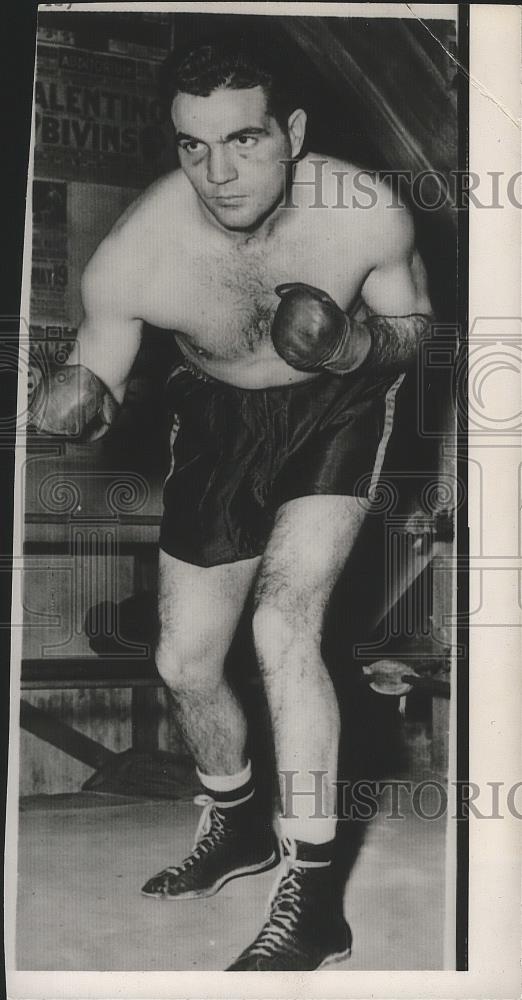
[
  {"x": 230, "y": 841},
  {"x": 305, "y": 928}
]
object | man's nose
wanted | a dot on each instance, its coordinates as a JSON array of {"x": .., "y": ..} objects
[{"x": 220, "y": 166}]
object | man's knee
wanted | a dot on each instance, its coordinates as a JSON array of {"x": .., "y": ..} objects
[
  {"x": 188, "y": 663},
  {"x": 280, "y": 628}
]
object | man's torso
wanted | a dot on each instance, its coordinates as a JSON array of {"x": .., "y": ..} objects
[{"x": 216, "y": 294}]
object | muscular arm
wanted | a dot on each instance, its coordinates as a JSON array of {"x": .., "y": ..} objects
[
  {"x": 80, "y": 400},
  {"x": 110, "y": 334},
  {"x": 312, "y": 333},
  {"x": 396, "y": 308}
]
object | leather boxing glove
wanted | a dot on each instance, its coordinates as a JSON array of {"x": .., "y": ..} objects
[
  {"x": 72, "y": 402},
  {"x": 310, "y": 331}
]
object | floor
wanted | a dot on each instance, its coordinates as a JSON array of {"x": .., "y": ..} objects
[{"x": 83, "y": 858}]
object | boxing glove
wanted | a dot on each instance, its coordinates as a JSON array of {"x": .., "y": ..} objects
[
  {"x": 72, "y": 402},
  {"x": 311, "y": 332}
]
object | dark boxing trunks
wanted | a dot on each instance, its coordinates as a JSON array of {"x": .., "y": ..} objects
[{"x": 239, "y": 454}]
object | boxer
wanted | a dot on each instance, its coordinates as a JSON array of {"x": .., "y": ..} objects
[{"x": 296, "y": 325}]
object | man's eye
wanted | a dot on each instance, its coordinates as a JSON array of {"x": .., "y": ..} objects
[
  {"x": 245, "y": 141},
  {"x": 191, "y": 147}
]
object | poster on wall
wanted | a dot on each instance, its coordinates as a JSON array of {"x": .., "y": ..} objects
[
  {"x": 98, "y": 116},
  {"x": 50, "y": 250}
]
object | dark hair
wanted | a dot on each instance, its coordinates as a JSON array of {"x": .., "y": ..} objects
[{"x": 237, "y": 66}]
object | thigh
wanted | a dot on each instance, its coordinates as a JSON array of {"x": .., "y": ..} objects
[
  {"x": 198, "y": 605},
  {"x": 307, "y": 550}
]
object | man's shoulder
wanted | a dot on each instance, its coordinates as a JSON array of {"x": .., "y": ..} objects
[
  {"x": 132, "y": 243},
  {"x": 361, "y": 204},
  {"x": 343, "y": 185},
  {"x": 129, "y": 252},
  {"x": 163, "y": 200},
  {"x": 331, "y": 172}
]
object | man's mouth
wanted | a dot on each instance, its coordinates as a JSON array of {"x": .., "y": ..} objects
[{"x": 228, "y": 199}]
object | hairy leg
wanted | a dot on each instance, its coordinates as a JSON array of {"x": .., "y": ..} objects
[
  {"x": 308, "y": 548},
  {"x": 199, "y": 610}
]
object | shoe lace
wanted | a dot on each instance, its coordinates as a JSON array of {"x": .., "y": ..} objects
[
  {"x": 284, "y": 908},
  {"x": 209, "y": 832}
]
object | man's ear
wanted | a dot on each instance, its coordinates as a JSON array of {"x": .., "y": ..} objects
[{"x": 296, "y": 130}]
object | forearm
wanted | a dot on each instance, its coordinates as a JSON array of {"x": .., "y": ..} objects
[
  {"x": 312, "y": 333},
  {"x": 380, "y": 343},
  {"x": 107, "y": 348}
]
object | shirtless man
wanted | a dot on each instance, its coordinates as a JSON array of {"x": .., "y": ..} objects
[{"x": 282, "y": 411}]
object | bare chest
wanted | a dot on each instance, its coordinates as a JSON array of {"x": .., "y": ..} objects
[
  {"x": 237, "y": 302},
  {"x": 222, "y": 304}
]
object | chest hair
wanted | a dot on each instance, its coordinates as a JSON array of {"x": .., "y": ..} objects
[{"x": 243, "y": 290}]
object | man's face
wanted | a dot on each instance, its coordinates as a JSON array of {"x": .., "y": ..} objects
[{"x": 231, "y": 151}]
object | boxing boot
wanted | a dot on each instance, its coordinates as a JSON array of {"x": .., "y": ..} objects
[
  {"x": 305, "y": 928},
  {"x": 230, "y": 841}
]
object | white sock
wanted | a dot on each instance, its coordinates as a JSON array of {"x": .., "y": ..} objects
[
  {"x": 226, "y": 782},
  {"x": 311, "y": 831}
]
